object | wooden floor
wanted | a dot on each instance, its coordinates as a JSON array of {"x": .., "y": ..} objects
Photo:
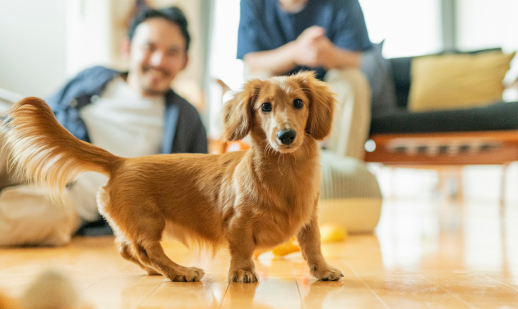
[{"x": 424, "y": 254}]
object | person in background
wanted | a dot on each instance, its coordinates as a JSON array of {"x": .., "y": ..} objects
[
  {"x": 281, "y": 37},
  {"x": 130, "y": 114}
]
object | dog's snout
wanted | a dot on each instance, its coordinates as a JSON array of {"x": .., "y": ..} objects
[{"x": 286, "y": 136}]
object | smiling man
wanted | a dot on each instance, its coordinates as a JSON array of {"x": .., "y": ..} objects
[
  {"x": 120, "y": 111},
  {"x": 157, "y": 52},
  {"x": 130, "y": 114}
]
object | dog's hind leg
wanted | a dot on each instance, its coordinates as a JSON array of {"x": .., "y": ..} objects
[
  {"x": 145, "y": 235},
  {"x": 151, "y": 253},
  {"x": 139, "y": 229},
  {"x": 124, "y": 245},
  {"x": 138, "y": 236},
  {"x": 126, "y": 251}
]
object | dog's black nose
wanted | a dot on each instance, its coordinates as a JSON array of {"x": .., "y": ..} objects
[{"x": 286, "y": 136}]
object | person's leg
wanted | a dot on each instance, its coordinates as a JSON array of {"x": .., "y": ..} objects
[
  {"x": 28, "y": 216},
  {"x": 353, "y": 115}
]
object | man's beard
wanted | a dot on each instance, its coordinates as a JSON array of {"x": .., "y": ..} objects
[
  {"x": 154, "y": 92},
  {"x": 163, "y": 74}
]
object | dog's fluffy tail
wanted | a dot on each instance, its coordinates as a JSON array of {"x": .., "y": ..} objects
[{"x": 43, "y": 151}]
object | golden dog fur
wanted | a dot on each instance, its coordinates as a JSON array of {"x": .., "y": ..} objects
[{"x": 247, "y": 200}]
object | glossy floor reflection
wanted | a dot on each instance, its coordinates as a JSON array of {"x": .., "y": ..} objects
[{"x": 424, "y": 254}]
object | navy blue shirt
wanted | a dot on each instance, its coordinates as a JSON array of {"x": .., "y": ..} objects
[{"x": 264, "y": 26}]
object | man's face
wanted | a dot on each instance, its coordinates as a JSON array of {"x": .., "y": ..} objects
[{"x": 156, "y": 55}]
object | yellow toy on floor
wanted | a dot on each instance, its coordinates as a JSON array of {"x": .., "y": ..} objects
[
  {"x": 286, "y": 248},
  {"x": 329, "y": 232}
]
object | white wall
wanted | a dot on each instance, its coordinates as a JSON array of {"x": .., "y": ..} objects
[
  {"x": 486, "y": 24},
  {"x": 223, "y": 63},
  {"x": 88, "y": 35},
  {"x": 32, "y": 46},
  {"x": 408, "y": 27}
]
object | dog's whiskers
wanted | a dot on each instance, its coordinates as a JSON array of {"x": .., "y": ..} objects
[
  {"x": 267, "y": 147},
  {"x": 279, "y": 165},
  {"x": 309, "y": 147}
]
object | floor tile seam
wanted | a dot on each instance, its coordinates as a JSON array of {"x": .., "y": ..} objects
[
  {"x": 449, "y": 292},
  {"x": 150, "y": 293},
  {"x": 303, "y": 305},
  {"x": 509, "y": 286},
  {"x": 372, "y": 291},
  {"x": 91, "y": 285},
  {"x": 187, "y": 259},
  {"x": 224, "y": 295}
]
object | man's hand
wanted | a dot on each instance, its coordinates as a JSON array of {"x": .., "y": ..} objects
[
  {"x": 313, "y": 48},
  {"x": 310, "y": 35}
]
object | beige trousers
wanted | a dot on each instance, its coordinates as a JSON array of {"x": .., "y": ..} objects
[{"x": 353, "y": 114}]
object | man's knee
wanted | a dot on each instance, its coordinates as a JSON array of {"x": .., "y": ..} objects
[
  {"x": 352, "y": 119},
  {"x": 349, "y": 75},
  {"x": 351, "y": 79},
  {"x": 28, "y": 216}
]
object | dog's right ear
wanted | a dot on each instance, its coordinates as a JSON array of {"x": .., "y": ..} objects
[
  {"x": 238, "y": 112},
  {"x": 322, "y": 105}
]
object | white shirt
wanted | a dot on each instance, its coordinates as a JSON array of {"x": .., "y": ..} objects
[{"x": 124, "y": 123}]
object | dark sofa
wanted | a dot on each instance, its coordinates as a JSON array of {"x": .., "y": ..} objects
[
  {"x": 479, "y": 135},
  {"x": 498, "y": 116}
]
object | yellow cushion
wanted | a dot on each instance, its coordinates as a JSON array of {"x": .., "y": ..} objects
[{"x": 457, "y": 81}]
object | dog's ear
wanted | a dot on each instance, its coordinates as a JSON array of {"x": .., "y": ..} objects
[
  {"x": 322, "y": 104},
  {"x": 238, "y": 112}
]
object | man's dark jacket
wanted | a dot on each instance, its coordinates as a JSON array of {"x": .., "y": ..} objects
[{"x": 183, "y": 128}]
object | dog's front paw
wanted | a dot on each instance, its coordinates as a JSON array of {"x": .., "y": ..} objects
[
  {"x": 243, "y": 276},
  {"x": 188, "y": 274},
  {"x": 326, "y": 272}
]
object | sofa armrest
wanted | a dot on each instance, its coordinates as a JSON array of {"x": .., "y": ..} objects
[{"x": 8, "y": 98}]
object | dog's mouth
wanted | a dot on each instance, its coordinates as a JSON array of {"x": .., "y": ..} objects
[
  {"x": 282, "y": 148},
  {"x": 286, "y": 149}
]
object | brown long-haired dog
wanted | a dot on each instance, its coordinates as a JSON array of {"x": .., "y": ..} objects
[{"x": 249, "y": 200}]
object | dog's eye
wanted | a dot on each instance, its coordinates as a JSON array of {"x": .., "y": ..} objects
[
  {"x": 266, "y": 107},
  {"x": 297, "y": 103}
]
